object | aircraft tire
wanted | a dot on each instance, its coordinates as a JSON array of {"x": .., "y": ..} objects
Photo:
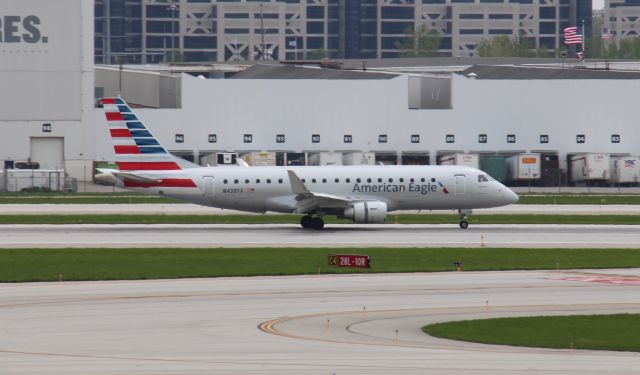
[
  {"x": 317, "y": 223},
  {"x": 306, "y": 222},
  {"x": 464, "y": 224}
]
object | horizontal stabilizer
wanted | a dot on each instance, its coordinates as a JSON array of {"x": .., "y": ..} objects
[{"x": 128, "y": 176}]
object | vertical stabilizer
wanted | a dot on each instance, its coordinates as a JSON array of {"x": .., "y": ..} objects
[{"x": 135, "y": 147}]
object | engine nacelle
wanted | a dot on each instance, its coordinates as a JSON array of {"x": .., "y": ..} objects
[{"x": 367, "y": 212}]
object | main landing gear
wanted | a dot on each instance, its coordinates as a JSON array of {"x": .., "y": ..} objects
[
  {"x": 310, "y": 222},
  {"x": 463, "y": 219}
]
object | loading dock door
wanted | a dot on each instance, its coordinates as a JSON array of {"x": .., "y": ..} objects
[
  {"x": 48, "y": 151},
  {"x": 459, "y": 184}
]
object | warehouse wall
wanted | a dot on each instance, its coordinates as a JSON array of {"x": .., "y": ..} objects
[{"x": 560, "y": 110}]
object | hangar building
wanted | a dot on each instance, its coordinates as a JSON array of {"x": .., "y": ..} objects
[{"x": 396, "y": 117}]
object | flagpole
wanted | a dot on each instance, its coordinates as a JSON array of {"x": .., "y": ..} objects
[{"x": 584, "y": 38}]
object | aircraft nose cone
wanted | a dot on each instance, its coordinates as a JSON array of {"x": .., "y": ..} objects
[{"x": 511, "y": 197}]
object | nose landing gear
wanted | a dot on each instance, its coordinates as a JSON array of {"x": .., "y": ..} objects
[{"x": 463, "y": 219}]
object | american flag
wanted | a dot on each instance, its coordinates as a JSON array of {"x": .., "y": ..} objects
[
  {"x": 580, "y": 55},
  {"x": 606, "y": 33},
  {"x": 571, "y": 36}
]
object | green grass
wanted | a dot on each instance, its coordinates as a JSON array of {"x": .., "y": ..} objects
[
  {"x": 295, "y": 219},
  {"x": 599, "y": 332},
  {"x": 22, "y": 265},
  {"x": 579, "y": 199}
]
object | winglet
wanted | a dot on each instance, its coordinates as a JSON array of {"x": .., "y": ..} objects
[{"x": 297, "y": 187}]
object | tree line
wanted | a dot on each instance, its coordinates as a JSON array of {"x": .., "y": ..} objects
[{"x": 425, "y": 42}]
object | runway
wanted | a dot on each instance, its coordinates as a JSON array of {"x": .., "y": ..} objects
[
  {"x": 329, "y": 324},
  {"x": 349, "y": 235}
]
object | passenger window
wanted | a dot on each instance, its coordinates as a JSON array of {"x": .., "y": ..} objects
[
  {"x": 226, "y": 181},
  {"x": 401, "y": 179},
  {"x": 303, "y": 180},
  {"x": 268, "y": 180},
  {"x": 482, "y": 178},
  {"x": 422, "y": 179},
  {"x": 358, "y": 180},
  {"x": 246, "y": 181},
  {"x": 368, "y": 180},
  {"x": 324, "y": 180},
  {"x": 313, "y": 180},
  {"x": 337, "y": 180},
  {"x": 411, "y": 180},
  {"x": 433, "y": 179},
  {"x": 348, "y": 180},
  {"x": 258, "y": 181},
  {"x": 235, "y": 181},
  {"x": 390, "y": 180},
  {"x": 279, "y": 180},
  {"x": 379, "y": 180}
]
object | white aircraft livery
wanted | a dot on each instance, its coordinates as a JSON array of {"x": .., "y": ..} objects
[{"x": 363, "y": 194}]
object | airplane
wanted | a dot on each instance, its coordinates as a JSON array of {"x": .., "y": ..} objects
[{"x": 362, "y": 194}]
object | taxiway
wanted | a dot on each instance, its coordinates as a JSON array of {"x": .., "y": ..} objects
[{"x": 329, "y": 324}]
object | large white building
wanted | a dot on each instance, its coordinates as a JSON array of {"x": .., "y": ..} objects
[{"x": 400, "y": 117}]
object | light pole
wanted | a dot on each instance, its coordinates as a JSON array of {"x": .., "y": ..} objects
[
  {"x": 173, "y": 8},
  {"x": 264, "y": 57}
]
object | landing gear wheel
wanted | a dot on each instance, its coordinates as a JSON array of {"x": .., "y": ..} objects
[
  {"x": 306, "y": 222},
  {"x": 317, "y": 223},
  {"x": 462, "y": 218}
]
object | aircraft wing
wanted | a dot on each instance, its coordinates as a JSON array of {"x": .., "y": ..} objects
[
  {"x": 308, "y": 201},
  {"x": 130, "y": 176}
]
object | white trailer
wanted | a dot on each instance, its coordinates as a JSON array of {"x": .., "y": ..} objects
[
  {"x": 359, "y": 158},
  {"x": 523, "y": 167},
  {"x": 325, "y": 158},
  {"x": 625, "y": 169},
  {"x": 467, "y": 160},
  {"x": 260, "y": 159},
  {"x": 589, "y": 166}
]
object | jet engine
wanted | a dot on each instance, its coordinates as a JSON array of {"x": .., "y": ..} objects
[{"x": 367, "y": 212}]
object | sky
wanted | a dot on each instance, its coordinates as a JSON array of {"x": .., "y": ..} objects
[{"x": 598, "y": 4}]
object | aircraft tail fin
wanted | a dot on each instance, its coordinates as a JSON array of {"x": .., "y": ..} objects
[{"x": 135, "y": 147}]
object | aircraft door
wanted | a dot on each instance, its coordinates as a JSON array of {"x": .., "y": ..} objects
[
  {"x": 459, "y": 184},
  {"x": 208, "y": 186}
]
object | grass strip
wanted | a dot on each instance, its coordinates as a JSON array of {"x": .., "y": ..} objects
[
  {"x": 23, "y": 265},
  {"x": 618, "y": 332},
  {"x": 295, "y": 219},
  {"x": 579, "y": 199}
]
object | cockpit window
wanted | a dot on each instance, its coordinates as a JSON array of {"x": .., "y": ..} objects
[{"x": 482, "y": 178}]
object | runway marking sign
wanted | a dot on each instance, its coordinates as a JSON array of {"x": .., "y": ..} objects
[
  {"x": 604, "y": 279},
  {"x": 350, "y": 260}
]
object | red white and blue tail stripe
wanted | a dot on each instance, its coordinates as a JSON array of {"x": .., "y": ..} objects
[
  {"x": 135, "y": 147},
  {"x": 137, "y": 150}
]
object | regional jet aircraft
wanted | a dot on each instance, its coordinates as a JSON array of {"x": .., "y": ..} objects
[{"x": 363, "y": 194}]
